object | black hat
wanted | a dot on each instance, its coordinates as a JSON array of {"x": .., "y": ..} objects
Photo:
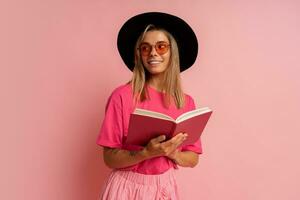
[{"x": 181, "y": 31}]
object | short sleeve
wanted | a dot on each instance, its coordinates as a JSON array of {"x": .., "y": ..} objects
[
  {"x": 197, "y": 146},
  {"x": 111, "y": 132}
]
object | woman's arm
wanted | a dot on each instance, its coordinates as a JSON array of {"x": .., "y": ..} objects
[
  {"x": 185, "y": 158},
  {"x": 120, "y": 158}
]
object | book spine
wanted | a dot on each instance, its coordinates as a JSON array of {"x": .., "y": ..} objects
[{"x": 173, "y": 129}]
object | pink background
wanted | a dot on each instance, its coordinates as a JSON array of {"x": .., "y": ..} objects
[{"x": 59, "y": 63}]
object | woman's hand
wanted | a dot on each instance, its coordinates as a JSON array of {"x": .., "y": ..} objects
[
  {"x": 174, "y": 155},
  {"x": 156, "y": 147}
]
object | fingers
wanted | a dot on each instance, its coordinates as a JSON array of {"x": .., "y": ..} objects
[
  {"x": 176, "y": 140},
  {"x": 159, "y": 147},
  {"x": 158, "y": 139},
  {"x": 179, "y": 138},
  {"x": 154, "y": 146}
]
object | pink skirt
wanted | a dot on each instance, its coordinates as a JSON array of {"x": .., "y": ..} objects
[{"x": 128, "y": 185}]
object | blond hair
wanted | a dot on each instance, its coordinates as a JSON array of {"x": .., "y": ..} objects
[{"x": 171, "y": 82}]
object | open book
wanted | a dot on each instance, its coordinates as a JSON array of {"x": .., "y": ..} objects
[{"x": 145, "y": 125}]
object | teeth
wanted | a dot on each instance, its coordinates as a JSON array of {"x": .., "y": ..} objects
[{"x": 154, "y": 62}]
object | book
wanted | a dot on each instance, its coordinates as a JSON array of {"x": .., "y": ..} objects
[{"x": 145, "y": 125}]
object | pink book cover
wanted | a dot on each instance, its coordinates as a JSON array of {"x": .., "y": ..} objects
[{"x": 143, "y": 128}]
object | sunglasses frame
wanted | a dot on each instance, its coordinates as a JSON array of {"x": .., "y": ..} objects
[{"x": 155, "y": 46}]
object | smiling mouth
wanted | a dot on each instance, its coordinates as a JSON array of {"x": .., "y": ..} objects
[{"x": 154, "y": 62}]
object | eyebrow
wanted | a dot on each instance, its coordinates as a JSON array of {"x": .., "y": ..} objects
[{"x": 155, "y": 43}]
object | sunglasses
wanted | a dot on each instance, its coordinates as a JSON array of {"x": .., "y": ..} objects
[{"x": 160, "y": 47}]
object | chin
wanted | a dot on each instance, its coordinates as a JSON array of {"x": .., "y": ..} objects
[{"x": 155, "y": 72}]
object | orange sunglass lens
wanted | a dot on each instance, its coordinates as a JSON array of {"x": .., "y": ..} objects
[
  {"x": 160, "y": 47},
  {"x": 145, "y": 49}
]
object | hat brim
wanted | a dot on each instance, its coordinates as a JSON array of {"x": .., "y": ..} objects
[{"x": 181, "y": 31}]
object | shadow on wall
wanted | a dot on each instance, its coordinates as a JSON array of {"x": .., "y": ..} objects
[
  {"x": 102, "y": 172},
  {"x": 94, "y": 173}
]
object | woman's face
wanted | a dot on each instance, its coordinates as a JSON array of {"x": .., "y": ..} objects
[{"x": 157, "y": 60}]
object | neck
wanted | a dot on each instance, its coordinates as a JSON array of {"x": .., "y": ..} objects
[{"x": 156, "y": 81}]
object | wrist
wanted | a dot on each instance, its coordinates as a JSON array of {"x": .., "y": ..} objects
[
  {"x": 145, "y": 153},
  {"x": 174, "y": 156}
]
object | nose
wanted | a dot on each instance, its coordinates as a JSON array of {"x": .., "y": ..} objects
[{"x": 153, "y": 51}]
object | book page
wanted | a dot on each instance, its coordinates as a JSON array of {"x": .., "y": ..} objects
[
  {"x": 153, "y": 114},
  {"x": 192, "y": 113}
]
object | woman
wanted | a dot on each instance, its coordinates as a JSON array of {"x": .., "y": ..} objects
[{"x": 148, "y": 44}]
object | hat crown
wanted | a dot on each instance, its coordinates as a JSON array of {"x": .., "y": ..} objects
[{"x": 183, "y": 34}]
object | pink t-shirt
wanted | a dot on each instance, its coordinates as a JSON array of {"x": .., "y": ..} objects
[{"x": 115, "y": 125}]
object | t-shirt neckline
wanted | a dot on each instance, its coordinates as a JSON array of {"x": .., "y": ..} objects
[{"x": 154, "y": 89}]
